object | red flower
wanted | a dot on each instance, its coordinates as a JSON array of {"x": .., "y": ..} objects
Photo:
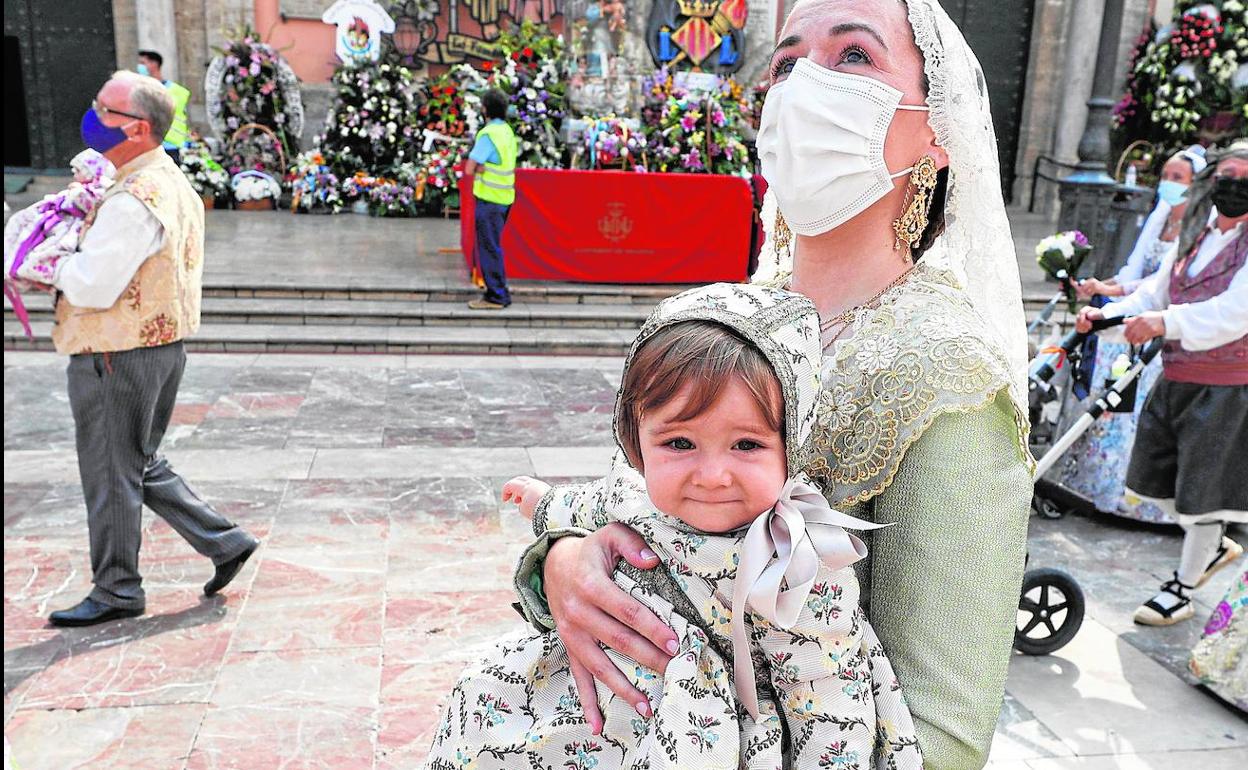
[
  {"x": 489, "y": 65},
  {"x": 528, "y": 52}
]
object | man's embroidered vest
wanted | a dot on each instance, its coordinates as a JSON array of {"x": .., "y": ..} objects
[
  {"x": 1224, "y": 365},
  {"x": 161, "y": 304}
]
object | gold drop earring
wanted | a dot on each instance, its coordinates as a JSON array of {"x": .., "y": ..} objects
[
  {"x": 913, "y": 221},
  {"x": 782, "y": 238}
]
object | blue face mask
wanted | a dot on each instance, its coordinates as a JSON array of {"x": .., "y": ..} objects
[
  {"x": 1171, "y": 192},
  {"x": 142, "y": 69},
  {"x": 98, "y": 136}
]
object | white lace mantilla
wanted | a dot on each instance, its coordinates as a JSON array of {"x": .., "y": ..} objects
[{"x": 976, "y": 246}]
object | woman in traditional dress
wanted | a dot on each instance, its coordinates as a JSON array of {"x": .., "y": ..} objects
[
  {"x": 877, "y": 143},
  {"x": 1220, "y": 658},
  {"x": 1096, "y": 466}
]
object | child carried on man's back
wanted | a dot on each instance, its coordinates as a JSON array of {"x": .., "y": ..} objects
[{"x": 778, "y": 666}]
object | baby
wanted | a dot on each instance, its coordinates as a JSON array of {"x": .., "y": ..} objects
[
  {"x": 39, "y": 236},
  {"x": 777, "y": 665}
]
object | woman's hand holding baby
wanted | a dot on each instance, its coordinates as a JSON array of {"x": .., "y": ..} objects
[{"x": 525, "y": 492}]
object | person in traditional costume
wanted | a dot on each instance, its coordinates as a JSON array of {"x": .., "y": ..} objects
[
  {"x": 1096, "y": 465},
  {"x": 125, "y": 299},
  {"x": 876, "y": 141},
  {"x": 1220, "y": 659},
  {"x": 777, "y": 664},
  {"x": 1191, "y": 446}
]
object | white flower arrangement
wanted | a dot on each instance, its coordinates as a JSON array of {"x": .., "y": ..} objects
[
  {"x": 254, "y": 186},
  {"x": 204, "y": 173}
]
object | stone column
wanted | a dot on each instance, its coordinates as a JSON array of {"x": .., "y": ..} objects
[
  {"x": 1045, "y": 90},
  {"x": 158, "y": 31},
  {"x": 1082, "y": 40}
]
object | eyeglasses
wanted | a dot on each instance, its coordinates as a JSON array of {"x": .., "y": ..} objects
[{"x": 101, "y": 111}]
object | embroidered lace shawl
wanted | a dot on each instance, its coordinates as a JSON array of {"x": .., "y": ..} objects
[{"x": 921, "y": 353}]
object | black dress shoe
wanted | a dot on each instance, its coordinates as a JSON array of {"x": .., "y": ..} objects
[
  {"x": 228, "y": 570},
  {"x": 88, "y": 612}
]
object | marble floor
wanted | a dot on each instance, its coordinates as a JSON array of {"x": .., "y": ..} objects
[{"x": 374, "y": 484}]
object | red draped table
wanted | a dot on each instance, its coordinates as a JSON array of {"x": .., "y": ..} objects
[{"x": 622, "y": 227}]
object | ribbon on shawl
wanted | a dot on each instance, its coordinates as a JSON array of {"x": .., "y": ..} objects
[
  {"x": 785, "y": 545},
  {"x": 19, "y": 309}
]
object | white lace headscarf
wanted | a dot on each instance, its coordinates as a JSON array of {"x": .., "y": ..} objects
[{"x": 976, "y": 246}]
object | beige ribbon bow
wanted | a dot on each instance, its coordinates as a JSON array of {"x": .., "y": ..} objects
[{"x": 786, "y": 544}]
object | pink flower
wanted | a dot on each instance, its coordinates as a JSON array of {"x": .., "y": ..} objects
[
  {"x": 693, "y": 160},
  {"x": 1219, "y": 620},
  {"x": 688, "y": 123},
  {"x": 268, "y": 88}
]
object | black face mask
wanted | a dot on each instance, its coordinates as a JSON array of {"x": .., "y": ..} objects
[{"x": 1230, "y": 196}]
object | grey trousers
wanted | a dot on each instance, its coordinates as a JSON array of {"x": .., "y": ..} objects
[{"x": 122, "y": 403}]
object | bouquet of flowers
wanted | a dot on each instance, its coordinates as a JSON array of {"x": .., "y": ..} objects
[
  {"x": 694, "y": 133},
  {"x": 203, "y": 172},
  {"x": 249, "y": 82},
  {"x": 1060, "y": 256},
  {"x": 1189, "y": 80},
  {"x": 437, "y": 179},
  {"x": 255, "y": 186},
  {"x": 373, "y": 122},
  {"x": 529, "y": 75},
  {"x": 358, "y": 185},
  {"x": 392, "y": 198},
  {"x": 313, "y": 185},
  {"x": 609, "y": 142},
  {"x": 445, "y": 109},
  {"x": 256, "y": 148}
]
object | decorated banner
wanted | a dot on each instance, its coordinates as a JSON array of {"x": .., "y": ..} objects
[
  {"x": 445, "y": 32},
  {"x": 360, "y": 24}
]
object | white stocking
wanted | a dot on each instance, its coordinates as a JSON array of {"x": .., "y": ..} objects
[{"x": 1200, "y": 544}]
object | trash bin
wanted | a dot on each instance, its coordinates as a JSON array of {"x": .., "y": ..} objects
[{"x": 1111, "y": 215}]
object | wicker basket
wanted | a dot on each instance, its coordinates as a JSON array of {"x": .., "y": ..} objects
[
  {"x": 210, "y": 201},
  {"x": 263, "y": 204},
  {"x": 277, "y": 173}
]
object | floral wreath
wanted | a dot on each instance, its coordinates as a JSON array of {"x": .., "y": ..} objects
[{"x": 287, "y": 82}]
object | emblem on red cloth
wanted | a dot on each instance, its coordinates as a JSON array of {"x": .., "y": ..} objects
[{"x": 615, "y": 226}]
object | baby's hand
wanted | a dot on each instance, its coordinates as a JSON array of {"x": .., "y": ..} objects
[{"x": 525, "y": 492}]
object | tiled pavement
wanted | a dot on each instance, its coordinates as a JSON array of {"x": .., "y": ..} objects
[{"x": 373, "y": 481}]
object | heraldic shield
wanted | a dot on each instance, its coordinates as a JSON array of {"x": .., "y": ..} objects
[{"x": 702, "y": 35}]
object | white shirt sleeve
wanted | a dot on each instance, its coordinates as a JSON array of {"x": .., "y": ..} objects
[
  {"x": 1213, "y": 322},
  {"x": 1153, "y": 293},
  {"x": 1133, "y": 271},
  {"x": 123, "y": 236}
]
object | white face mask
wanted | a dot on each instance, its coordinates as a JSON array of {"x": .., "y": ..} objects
[{"x": 821, "y": 143}]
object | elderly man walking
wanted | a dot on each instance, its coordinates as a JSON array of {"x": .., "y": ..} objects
[{"x": 124, "y": 302}]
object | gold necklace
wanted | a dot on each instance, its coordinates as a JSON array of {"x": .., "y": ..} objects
[{"x": 845, "y": 316}]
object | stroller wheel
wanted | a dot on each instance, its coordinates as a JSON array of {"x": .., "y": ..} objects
[
  {"x": 1046, "y": 507},
  {"x": 1050, "y": 611}
]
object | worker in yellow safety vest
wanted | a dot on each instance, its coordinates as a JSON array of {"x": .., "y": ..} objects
[
  {"x": 150, "y": 63},
  {"x": 492, "y": 166}
]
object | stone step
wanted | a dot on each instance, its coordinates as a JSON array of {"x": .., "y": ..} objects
[
  {"x": 415, "y": 289},
  {"x": 391, "y": 312},
  {"x": 290, "y": 338}
]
